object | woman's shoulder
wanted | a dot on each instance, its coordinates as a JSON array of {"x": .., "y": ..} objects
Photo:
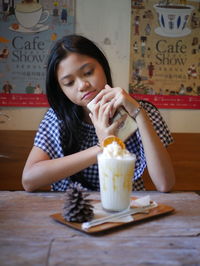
[
  {"x": 50, "y": 121},
  {"x": 50, "y": 114},
  {"x": 49, "y": 134},
  {"x": 147, "y": 105},
  {"x": 151, "y": 110},
  {"x": 51, "y": 117},
  {"x": 158, "y": 122}
]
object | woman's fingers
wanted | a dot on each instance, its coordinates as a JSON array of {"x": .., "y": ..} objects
[
  {"x": 104, "y": 113},
  {"x": 118, "y": 123},
  {"x": 104, "y": 95}
]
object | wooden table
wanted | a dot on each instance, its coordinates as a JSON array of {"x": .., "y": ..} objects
[{"x": 29, "y": 236}]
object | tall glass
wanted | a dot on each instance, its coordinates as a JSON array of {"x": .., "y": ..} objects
[{"x": 115, "y": 176}]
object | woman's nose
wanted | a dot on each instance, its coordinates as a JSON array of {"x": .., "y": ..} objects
[{"x": 83, "y": 84}]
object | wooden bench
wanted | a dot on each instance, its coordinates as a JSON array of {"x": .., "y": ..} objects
[{"x": 16, "y": 145}]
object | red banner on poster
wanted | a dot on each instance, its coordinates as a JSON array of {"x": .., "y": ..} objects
[
  {"x": 171, "y": 101},
  {"x": 23, "y": 100}
]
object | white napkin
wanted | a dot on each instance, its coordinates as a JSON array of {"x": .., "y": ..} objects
[{"x": 144, "y": 201}]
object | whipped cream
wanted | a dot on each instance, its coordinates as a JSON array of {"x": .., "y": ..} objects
[{"x": 114, "y": 150}]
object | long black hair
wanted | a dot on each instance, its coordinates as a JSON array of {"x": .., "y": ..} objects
[{"x": 70, "y": 113}]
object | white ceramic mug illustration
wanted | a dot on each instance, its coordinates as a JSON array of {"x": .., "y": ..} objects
[
  {"x": 173, "y": 19},
  {"x": 29, "y": 15}
]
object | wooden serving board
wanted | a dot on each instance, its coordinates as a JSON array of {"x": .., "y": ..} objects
[{"x": 161, "y": 209}]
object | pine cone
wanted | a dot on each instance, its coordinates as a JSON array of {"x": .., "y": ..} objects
[{"x": 76, "y": 207}]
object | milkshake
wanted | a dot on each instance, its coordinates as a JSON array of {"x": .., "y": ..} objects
[{"x": 116, "y": 170}]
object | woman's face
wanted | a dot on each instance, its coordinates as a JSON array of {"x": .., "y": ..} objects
[{"x": 81, "y": 78}]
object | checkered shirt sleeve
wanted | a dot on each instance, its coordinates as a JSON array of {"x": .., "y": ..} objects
[
  {"x": 158, "y": 122},
  {"x": 48, "y": 136}
]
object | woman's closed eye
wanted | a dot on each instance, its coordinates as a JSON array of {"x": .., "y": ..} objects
[
  {"x": 69, "y": 83},
  {"x": 89, "y": 72},
  {"x": 86, "y": 73}
]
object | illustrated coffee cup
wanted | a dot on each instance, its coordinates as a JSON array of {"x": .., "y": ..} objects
[
  {"x": 173, "y": 19},
  {"x": 30, "y": 14}
]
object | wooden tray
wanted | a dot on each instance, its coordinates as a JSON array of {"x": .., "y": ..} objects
[{"x": 161, "y": 209}]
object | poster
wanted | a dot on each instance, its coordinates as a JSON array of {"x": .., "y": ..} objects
[
  {"x": 165, "y": 53},
  {"x": 28, "y": 30}
]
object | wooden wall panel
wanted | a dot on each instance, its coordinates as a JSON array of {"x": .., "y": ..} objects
[
  {"x": 185, "y": 154},
  {"x": 15, "y": 146}
]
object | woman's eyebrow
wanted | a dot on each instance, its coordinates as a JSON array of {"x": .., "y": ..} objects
[
  {"x": 65, "y": 77},
  {"x": 85, "y": 65},
  {"x": 81, "y": 68}
]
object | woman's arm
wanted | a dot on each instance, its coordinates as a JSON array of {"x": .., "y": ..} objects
[
  {"x": 40, "y": 170},
  {"x": 159, "y": 164}
]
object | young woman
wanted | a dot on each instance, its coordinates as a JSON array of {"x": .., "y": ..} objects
[{"x": 66, "y": 144}]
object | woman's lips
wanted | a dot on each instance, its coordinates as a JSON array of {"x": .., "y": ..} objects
[{"x": 89, "y": 95}]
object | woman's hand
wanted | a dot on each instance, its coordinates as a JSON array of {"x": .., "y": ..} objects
[
  {"x": 101, "y": 118},
  {"x": 117, "y": 97}
]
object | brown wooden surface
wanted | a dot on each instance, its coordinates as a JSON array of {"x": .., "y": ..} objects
[
  {"x": 16, "y": 145},
  {"x": 185, "y": 155},
  {"x": 29, "y": 236}
]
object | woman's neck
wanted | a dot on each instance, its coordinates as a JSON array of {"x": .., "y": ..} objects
[{"x": 86, "y": 117}]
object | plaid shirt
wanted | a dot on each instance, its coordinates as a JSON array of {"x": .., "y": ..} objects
[{"x": 50, "y": 132}]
